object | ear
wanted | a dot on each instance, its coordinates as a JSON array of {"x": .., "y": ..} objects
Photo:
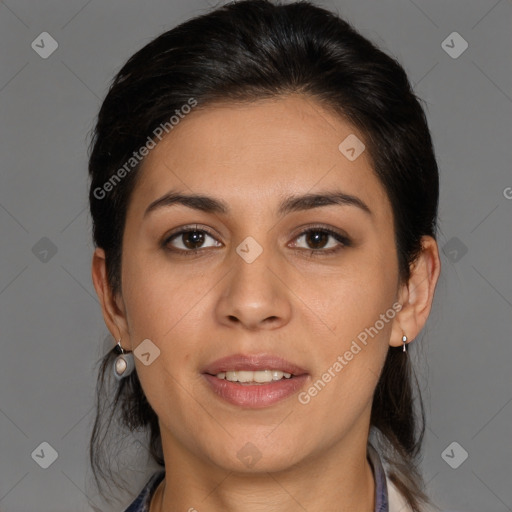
[
  {"x": 112, "y": 307},
  {"x": 416, "y": 296}
]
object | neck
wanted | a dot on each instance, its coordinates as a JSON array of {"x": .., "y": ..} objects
[{"x": 340, "y": 479}]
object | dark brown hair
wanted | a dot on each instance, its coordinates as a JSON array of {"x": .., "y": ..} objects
[{"x": 246, "y": 51}]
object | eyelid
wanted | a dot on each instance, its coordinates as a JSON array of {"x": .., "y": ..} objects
[{"x": 321, "y": 227}]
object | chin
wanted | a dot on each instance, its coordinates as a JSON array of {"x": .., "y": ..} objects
[{"x": 253, "y": 458}]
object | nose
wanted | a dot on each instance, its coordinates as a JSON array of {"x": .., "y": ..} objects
[{"x": 253, "y": 296}]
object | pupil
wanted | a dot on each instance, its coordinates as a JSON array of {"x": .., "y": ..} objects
[
  {"x": 197, "y": 239},
  {"x": 319, "y": 239}
]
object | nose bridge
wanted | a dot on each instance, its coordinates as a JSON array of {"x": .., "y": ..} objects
[{"x": 250, "y": 262}]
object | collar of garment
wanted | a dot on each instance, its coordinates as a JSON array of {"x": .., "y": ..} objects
[{"x": 141, "y": 503}]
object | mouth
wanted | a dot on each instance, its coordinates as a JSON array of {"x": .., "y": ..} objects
[{"x": 254, "y": 381}]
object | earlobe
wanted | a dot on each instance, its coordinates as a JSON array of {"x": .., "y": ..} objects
[
  {"x": 417, "y": 295},
  {"x": 113, "y": 313}
]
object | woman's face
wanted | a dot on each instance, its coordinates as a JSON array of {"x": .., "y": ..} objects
[{"x": 266, "y": 280}]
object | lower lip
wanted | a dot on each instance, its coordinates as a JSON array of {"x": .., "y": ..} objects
[{"x": 256, "y": 395}]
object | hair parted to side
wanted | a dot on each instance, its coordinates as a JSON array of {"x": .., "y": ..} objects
[{"x": 245, "y": 51}]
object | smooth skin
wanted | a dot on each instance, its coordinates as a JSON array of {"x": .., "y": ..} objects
[{"x": 295, "y": 300}]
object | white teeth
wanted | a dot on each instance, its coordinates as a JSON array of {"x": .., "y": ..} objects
[{"x": 258, "y": 377}]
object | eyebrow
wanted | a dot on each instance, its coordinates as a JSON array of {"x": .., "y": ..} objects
[{"x": 290, "y": 204}]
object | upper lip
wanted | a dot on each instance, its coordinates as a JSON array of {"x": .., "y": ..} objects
[{"x": 252, "y": 362}]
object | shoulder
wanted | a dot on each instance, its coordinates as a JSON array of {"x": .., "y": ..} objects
[
  {"x": 397, "y": 502},
  {"x": 141, "y": 502},
  {"x": 387, "y": 496},
  {"x": 395, "y": 499}
]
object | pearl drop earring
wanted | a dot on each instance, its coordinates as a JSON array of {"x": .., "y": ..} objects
[{"x": 124, "y": 363}]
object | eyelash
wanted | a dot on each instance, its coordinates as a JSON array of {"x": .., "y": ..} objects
[{"x": 344, "y": 241}]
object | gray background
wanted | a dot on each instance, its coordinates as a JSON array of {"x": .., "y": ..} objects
[{"x": 52, "y": 331}]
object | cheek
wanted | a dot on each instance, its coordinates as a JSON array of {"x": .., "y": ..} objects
[
  {"x": 355, "y": 346},
  {"x": 349, "y": 357},
  {"x": 170, "y": 308},
  {"x": 159, "y": 297},
  {"x": 354, "y": 313},
  {"x": 163, "y": 306},
  {"x": 347, "y": 300}
]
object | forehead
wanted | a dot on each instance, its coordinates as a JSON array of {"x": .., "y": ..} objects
[{"x": 251, "y": 152}]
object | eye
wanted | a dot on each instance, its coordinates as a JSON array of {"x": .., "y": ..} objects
[
  {"x": 189, "y": 240},
  {"x": 317, "y": 240}
]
